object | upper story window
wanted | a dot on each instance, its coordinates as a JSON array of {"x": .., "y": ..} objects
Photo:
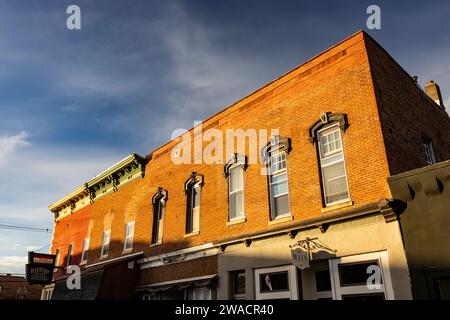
[
  {"x": 234, "y": 171},
  {"x": 57, "y": 256},
  {"x": 69, "y": 255},
  {"x": 275, "y": 154},
  {"x": 159, "y": 204},
  {"x": 129, "y": 236},
  {"x": 192, "y": 188},
  {"x": 84, "y": 254},
  {"x": 332, "y": 165},
  {"x": 105, "y": 246},
  {"x": 327, "y": 133},
  {"x": 429, "y": 150}
]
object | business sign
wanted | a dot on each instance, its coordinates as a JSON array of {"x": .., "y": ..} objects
[
  {"x": 300, "y": 258},
  {"x": 39, "y": 269}
]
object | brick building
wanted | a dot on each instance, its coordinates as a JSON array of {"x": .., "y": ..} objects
[
  {"x": 347, "y": 119},
  {"x": 16, "y": 287}
]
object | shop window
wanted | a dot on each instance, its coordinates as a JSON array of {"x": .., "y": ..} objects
[
  {"x": 276, "y": 283},
  {"x": 237, "y": 285},
  {"x": 362, "y": 277}
]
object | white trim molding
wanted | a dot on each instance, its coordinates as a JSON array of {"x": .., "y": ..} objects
[
  {"x": 116, "y": 259},
  {"x": 205, "y": 250},
  {"x": 166, "y": 283}
]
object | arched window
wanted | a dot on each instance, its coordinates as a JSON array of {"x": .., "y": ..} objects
[
  {"x": 192, "y": 188},
  {"x": 327, "y": 134},
  {"x": 275, "y": 155},
  {"x": 234, "y": 171},
  {"x": 159, "y": 203}
]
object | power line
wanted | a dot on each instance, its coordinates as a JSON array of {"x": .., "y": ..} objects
[{"x": 23, "y": 228}]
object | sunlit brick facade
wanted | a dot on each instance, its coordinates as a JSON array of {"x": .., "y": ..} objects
[{"x": 376, "y": 116}]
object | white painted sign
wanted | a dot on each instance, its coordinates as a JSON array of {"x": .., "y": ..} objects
[{"x": 300, "y": 258}]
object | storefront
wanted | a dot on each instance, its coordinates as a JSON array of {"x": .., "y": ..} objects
[{"x": 360, "y": 258}]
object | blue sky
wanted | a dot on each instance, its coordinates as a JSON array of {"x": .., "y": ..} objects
[{"x": 72, "y": 103}]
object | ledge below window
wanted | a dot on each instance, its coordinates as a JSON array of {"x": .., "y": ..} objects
[
  {"x": 337, "y": 206},
  {"x": 236, "y": 221},
  {"x": 156, "y": 244},
  {"x": 191, "y": 234},
  {"x": 282, "y": 219}
]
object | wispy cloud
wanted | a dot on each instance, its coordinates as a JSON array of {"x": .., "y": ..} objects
[{"x": 9, "y": 146}]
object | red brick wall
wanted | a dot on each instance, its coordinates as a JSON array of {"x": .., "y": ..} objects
[
  {"x": 182, "y": 270},
  {"x": 406, "y": 113},
  {"x": 71, "y": 229},
  {"x": 339, "y": 81}
]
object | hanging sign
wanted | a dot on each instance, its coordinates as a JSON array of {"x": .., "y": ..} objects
[
  {"x": 300, "y": 258},
  {"x": 39, "y": 269}
]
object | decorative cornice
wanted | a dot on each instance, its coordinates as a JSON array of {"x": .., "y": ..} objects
[
  {"x": 276, "y": 143},
  {"x": 236, "y": 159},
  {"x": 161, "y": 194},
  {"x": 194, "y": 178},
  {"x": 325, "y": 119},
  {"x": 109, "y": 180}
]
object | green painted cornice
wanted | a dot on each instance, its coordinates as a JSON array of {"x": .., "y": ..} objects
[{"x": 128, "y": 169}]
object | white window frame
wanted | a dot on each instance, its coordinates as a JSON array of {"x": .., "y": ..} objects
[
  {"x": 57, "y": 257},
  {"x": 128, "y": 236},
  {"x": 47, "y": 292},
  {"x": 292, "y": 294},
  {"x": 242, "y": 215},
  {"x": 161, "y": 213},
  {"x": 70, "y": 250},
  {"x": 322, "y": 294},
  {"x": 195, "y": 211},
  {"x": 194, "y": 293},
  {"x": 383, "y": 262},
  {"x": 277, "y": 173},
  {"x": 429, "y": 151},
  {"x": 104, "y": 243},
  {"x": 86, "y": 244},
  {"x": 335, "y": 152}
]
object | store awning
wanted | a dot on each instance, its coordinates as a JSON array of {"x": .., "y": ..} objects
[
  {"x": 90, "y": 286},
  {"x": 183, "y": 284}
]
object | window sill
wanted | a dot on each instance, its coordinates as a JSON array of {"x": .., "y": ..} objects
[
  {"x": 282, "y": 219},
  {"x": 83, "y": 262},
  {"x": 236, "y": 221},
  {"x": 193, "y": 233},
  {"x": 156, "y": 244},
  {"x": 103, "y": 257},
  {"x": 337, "y": 206},
  {"x": 127, "y": 251}
]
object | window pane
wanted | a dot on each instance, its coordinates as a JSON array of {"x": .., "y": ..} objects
[
  {"x": 196, "y": 196},
  {"x": 238, "y": 282},
  {"x": 355, "y": 274},
  {"x": 236, "y": 205},
  {"x": 271, "y": 282},
  {"x": 279, "y": 188},
  {"x": 281, "y": 205},
  {"x": 323, "y": 282},
  {"x": 335, "y": 182},
  {"x": 236, "y": 178}
]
